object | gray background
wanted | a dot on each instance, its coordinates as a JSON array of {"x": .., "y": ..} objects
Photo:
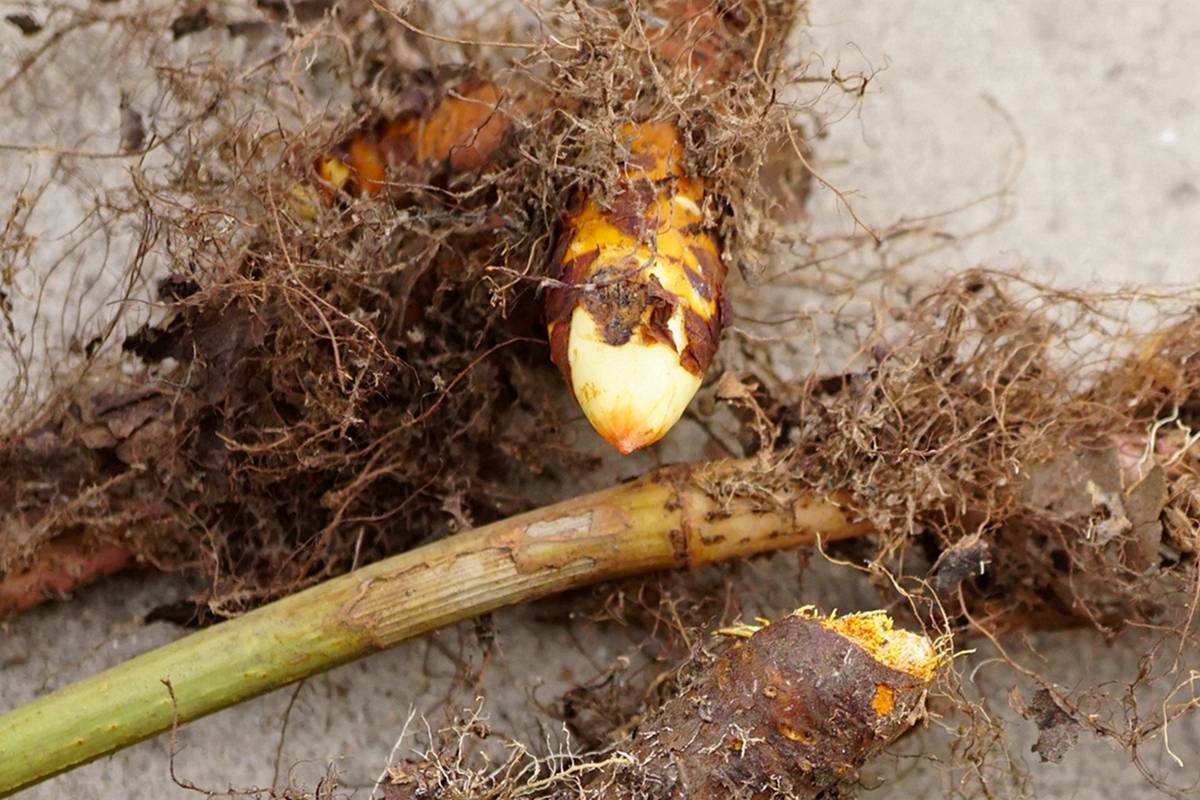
[{"x": 1095, "y": 102}]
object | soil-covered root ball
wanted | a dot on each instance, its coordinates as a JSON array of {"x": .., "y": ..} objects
[
  {"x": 788, "y": 709},
  {"x": 792, "y": 710}
]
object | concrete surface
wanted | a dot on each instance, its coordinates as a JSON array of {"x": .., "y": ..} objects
[{"x": 1096, "y": 99}]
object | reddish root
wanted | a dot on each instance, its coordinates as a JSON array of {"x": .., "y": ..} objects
[{"x": 59, "y": 568}]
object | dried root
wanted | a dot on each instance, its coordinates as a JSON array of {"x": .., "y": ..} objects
[
  {"x": 1011, "y": 484},
  {"x": 346, "y": 344}
]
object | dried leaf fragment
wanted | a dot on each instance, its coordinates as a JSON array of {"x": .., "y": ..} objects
[
  {"x": 1057, "y": 730},
  {"x": 27, "y": 25},
  {"x": 191, "y": 21},
  {"x": 966, "y": 559},
  {"x": 133, "y": 131}
]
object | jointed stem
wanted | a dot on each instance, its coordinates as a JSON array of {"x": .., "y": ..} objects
[{"x": 663, "y": 520}]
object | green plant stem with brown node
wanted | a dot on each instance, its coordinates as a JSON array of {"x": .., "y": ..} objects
[{"x": 673, "y": 518}]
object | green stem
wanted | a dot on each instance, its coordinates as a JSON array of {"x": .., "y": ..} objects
[{"x": 664, "y": 520}]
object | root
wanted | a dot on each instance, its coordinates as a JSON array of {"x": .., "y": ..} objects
[{"x": 58, "y": 569}]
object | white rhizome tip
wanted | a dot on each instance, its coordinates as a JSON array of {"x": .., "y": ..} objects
[{"x": 632, "y": 393}]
